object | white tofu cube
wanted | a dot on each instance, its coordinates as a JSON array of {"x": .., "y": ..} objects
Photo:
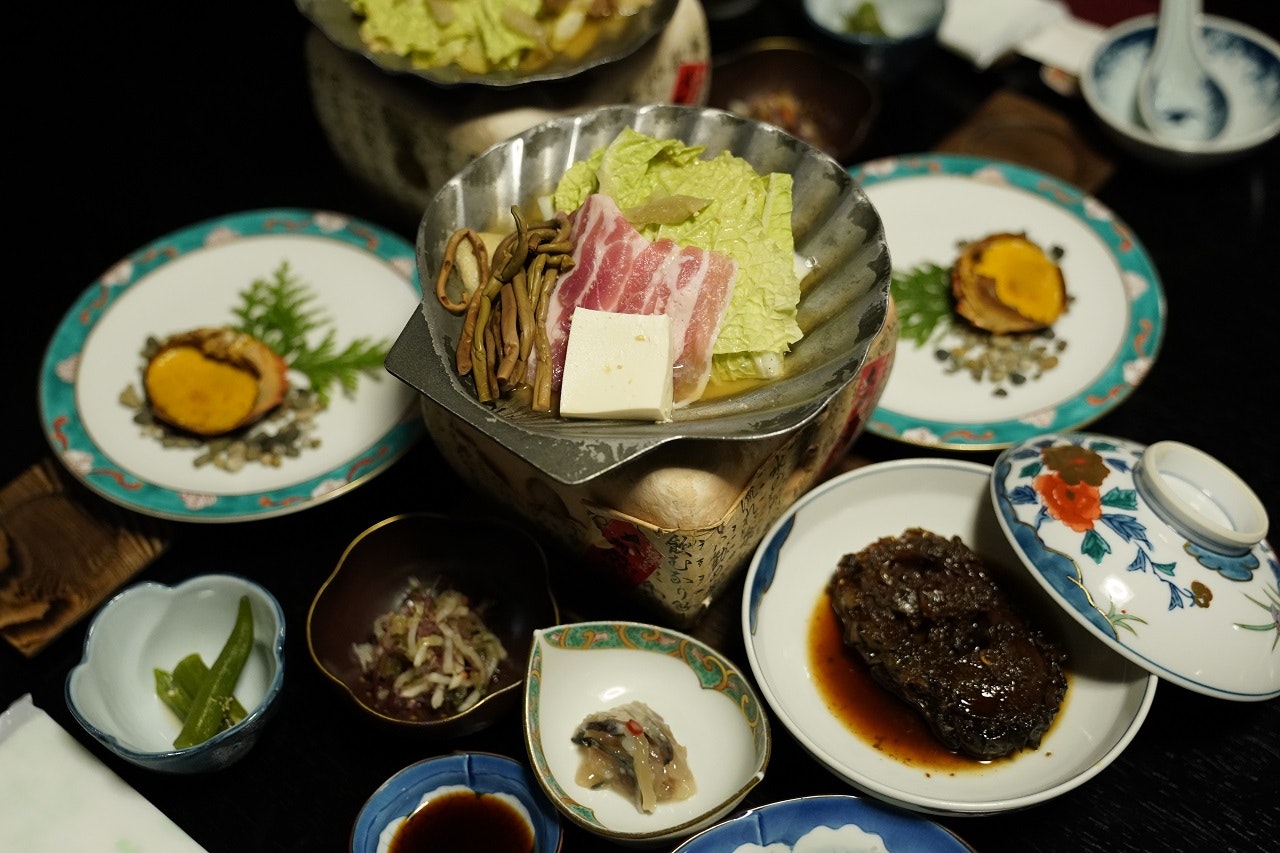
[{"x": 617, "y": 366}]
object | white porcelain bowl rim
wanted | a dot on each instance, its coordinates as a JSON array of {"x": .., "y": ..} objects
[
  {"x": 1223, "y": 144},
  {"x": 174, "y": 757},
  {"x": 1178, "y": 479}
]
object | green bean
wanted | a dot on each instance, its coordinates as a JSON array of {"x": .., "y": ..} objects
[
  {"x": 207, "y": 707},
  {"x": 189, "y": 675},
  {"x": 178, "y": 700}
]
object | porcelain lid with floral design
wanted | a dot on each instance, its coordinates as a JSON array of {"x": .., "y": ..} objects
[{"x": 1158, "y": 550}]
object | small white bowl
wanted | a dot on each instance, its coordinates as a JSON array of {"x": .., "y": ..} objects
[
  {"x": 1107, "y": 698},
  {"x": 149, "y": 626},
  {"x": 910, "y": 28},
  {"x": 585, "y": 667},
  {"x": 1245, "y": 62}
]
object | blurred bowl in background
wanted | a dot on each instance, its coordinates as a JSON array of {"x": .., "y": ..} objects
[
  {"x": 148, "y": 626},
  {"x": 884, "y": 39},
  {"x": 1245, "y": 62},
  {"x": 788, "y": 83},
  {"x": 619, "y": 37}
]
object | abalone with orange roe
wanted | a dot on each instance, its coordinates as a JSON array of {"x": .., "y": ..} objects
[
  {"x": 1007, "y": 283},
  {"x": 211, "y": 381}
]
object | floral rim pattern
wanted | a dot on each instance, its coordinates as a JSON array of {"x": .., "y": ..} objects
[{"x": 712, "y": 672}]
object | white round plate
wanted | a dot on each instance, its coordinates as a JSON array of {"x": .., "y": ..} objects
[
  {"x": 1113, "y": 328},
  {"x": 362, "y": 280},
  {"x": 1107, "y": 696}
]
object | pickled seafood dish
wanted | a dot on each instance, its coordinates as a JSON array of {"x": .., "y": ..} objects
[{"x": 631, "y": 749}]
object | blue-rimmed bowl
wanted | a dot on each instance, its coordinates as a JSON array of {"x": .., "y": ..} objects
[
  {"x": 826, "y": 823},
  {"x": 482, "y": 772},
  {"x": 1244, "y": 61},
  {"x": 149, "y": 626}
]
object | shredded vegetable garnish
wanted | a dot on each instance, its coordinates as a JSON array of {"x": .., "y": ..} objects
[{"x": 432, "y": 656}]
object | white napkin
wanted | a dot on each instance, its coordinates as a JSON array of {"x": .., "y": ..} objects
[
  {"x": 1066, "y": 44},
  {"x": 985, "y": 30},
  {"x": 57, "y": 796}
]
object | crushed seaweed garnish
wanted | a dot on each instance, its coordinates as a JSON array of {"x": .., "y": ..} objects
[{"x": 926, "y": 312}]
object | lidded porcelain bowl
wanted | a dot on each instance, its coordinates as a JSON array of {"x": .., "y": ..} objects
[{"x": 1157, "y": 550}]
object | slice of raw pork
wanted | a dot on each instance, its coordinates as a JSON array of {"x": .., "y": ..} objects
[{"x": 618, "y": 269}]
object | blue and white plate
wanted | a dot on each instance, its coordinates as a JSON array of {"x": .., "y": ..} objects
[
  {"x": 362, "y": 282},
  {"x": 1111, "y": 333},
  {"x": 826, "y": 823}
]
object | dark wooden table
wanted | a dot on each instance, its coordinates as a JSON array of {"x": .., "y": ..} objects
[{"x": 134, "y": 120}]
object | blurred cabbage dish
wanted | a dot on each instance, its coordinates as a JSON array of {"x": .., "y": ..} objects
[{"x": 483, "y": 36}]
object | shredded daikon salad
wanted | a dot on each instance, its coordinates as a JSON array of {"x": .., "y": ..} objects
[{"x": 430, "y": 657}]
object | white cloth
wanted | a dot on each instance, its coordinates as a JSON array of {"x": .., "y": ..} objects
[
  {"x": 985, "y": 30},
  {"x": 57, "y": 796}
]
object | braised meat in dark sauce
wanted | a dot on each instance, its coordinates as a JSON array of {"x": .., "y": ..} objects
[{"x": 924, "y": 613}]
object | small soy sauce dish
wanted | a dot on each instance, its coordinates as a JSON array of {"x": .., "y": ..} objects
[{"x": 460, "y": 801}]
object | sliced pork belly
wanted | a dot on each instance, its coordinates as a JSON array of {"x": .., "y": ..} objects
[
  {"x": 697, "y": 284},
  {"x": 618, "y": 269}
]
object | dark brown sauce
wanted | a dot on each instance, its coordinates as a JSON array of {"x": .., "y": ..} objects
[
  {"x": 867, "y": 709},
  {"x": 464, "y": 820}
]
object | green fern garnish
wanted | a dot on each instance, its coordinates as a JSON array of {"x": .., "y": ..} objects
[
  {"x": 922, "y": 296},
  {"x": 280, "y": 312}
]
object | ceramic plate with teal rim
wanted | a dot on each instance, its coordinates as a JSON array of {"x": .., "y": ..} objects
[
  {"x": 948, "y": 388},
  {"x": 605, "y": 671},
  {"x": 354, "y": 284}
]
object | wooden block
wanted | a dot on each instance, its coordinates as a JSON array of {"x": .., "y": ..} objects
[
  {"x": 63, "y": 550},
  {"x": 1015, "y": 129}
]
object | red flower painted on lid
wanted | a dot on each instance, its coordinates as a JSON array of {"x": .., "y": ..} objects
[{"x": 1076, "y": 505}]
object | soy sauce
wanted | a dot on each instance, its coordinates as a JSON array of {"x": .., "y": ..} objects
[
  {"x": 464, "y": 820},
  {"x": 867, "y": 709}
]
